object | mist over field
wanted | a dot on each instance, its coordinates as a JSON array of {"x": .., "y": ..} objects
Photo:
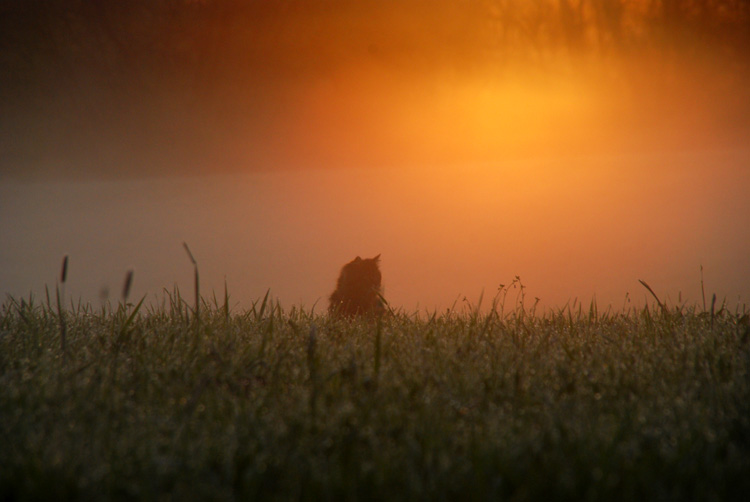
[{"x": 581, "y": 145}]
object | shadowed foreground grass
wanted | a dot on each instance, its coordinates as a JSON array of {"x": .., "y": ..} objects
[{"x": 150, "y": 402}]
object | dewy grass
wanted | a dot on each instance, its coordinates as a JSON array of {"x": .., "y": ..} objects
[{"x": 574, "y": 404}]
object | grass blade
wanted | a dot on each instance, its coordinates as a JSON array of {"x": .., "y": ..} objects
[
  {"x": 126, "y": 287},
  {"x": 661, "y": 305},
  {"x": 197, "y": 281},
  {"x": 263, "y": 305},
  {"x": 64, "y": 272},
  {"x": 226, "y": 301},
  {"x": 132, "y": 315}
]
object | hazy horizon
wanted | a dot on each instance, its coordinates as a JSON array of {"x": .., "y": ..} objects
[{"x": 584, "y": 233}]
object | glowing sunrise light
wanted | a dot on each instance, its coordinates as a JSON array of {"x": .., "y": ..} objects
[
  {"x": 483, "y": 119},
  {"x": 362, "y": 118}
]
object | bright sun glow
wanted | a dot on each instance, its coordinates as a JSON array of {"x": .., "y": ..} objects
[
  {"x": 487, "y": 119},
  {"x": 364, "y": 119}
]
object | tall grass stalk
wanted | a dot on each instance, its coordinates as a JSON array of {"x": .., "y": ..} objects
[
  {"x": 60, "y": 316},
  {"x": 196, "y": 283},
  {"x": 127, "y": 285},
  {"x": 662, "y": 306}
]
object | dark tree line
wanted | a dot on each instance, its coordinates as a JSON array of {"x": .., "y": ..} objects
[{"x": 45, "y": 42}]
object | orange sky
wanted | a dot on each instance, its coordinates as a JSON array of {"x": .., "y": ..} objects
[
  {"x": 438, "y": 82},
  {"x": 137, "y": 89}
]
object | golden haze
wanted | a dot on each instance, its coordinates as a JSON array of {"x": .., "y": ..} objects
[{"x": 579, "y": 144}]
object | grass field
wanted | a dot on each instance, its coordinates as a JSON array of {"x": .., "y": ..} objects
[{"x": 504, "y": 403}]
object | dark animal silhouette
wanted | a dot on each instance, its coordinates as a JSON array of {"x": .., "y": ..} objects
[{"x": 358, "y": 290}]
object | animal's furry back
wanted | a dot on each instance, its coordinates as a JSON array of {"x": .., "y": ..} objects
[{"x": 358, "y": 289}]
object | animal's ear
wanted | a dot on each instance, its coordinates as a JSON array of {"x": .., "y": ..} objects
[
  {"x": 357, "y": 259},
  {"x": 377, "y": 258}
]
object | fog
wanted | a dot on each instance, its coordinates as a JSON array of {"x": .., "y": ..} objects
[
  {"x": 580, "y": 146},
  {"x": 584, "y": 231}
]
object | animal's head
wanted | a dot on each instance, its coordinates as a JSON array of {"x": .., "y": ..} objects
[
  {"x": 358, "y": 290},
  {"x": 364, "y": 272}
]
